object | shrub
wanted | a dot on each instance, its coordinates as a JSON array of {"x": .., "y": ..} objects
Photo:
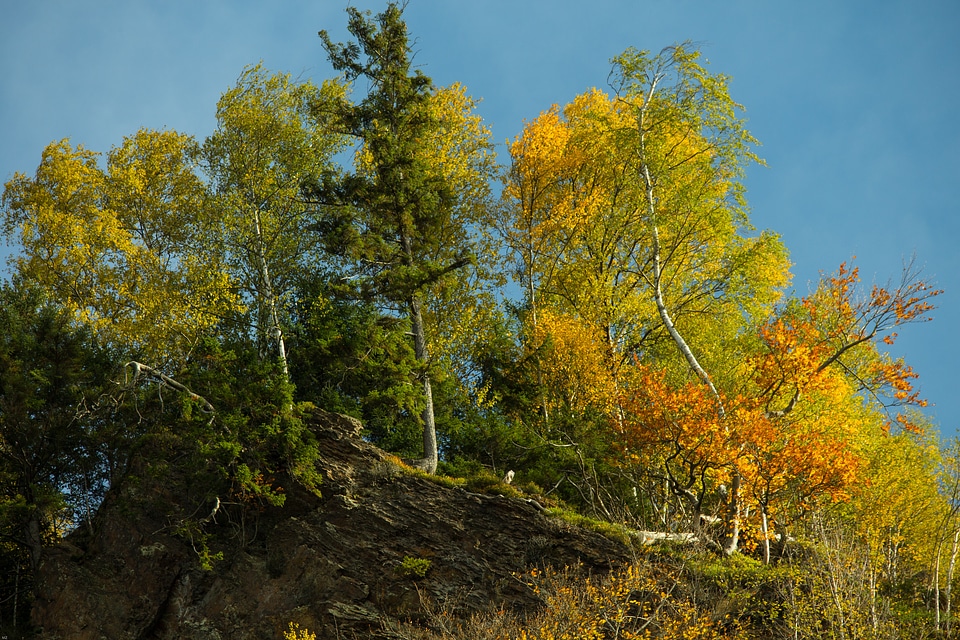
[
  {"x": 413, "y": 567},
  {"x": 296, "y": 633}
]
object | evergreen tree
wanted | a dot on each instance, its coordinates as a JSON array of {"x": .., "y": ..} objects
[
  {"x": 51, "y": 377},
  {"x": 396, "y": 209}
]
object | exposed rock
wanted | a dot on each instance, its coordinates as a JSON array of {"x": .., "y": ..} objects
[{"x": 330, "y": 563}]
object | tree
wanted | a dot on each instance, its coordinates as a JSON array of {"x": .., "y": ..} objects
[
  {"x": 948, "y": 528},
  {"x": 810, "y": 393},
  {"x": 403, "y": 214},
  {"x": 626, "y": 213},
  {"x": 51, "y": 377},
  {"x": 690, "y": 150},
  {"x": 580, "y": 231},
  {"x": 124, "y": 249},
  {"x": 266, "y": 147},
  {"x": 350, "y": 358},
  {"x": 841, "y": 326}
]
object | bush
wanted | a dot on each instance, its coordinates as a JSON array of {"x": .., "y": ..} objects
[
  {"x": 296, "y": 633},
  {"x": 413, "y": 567}
]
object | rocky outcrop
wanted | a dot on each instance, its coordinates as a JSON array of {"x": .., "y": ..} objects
[{"x": 331, "y": 563}]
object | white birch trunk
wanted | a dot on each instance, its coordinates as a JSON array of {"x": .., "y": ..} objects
[
  {"x": 765, "y": 528},
  {"x": 949, "y": 586},
  {"x": 662, "y": 305},
  {"x": 833, "y": 571},
  {"x": 936, "y": 590},
  {"x": 532, "y": 293},
  {"x": 731, "y": 543},
  {"x": 430, "y": 453},
  {"x": 271, "y": 297}
]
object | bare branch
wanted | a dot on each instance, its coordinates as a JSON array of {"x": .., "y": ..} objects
[{"x": 141, "y": 370}]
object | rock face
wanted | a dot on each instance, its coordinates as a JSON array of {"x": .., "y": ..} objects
[{"x": 332, "y": 564}]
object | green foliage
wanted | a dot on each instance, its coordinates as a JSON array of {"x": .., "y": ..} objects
[
  {"x": 258, "y": 432},
  {"x": 54, "y": 447},
  {"x": 59, "y": 450},
  {"x": 349, "y": 358},
  {"x": 193, "y": 533},
  {"x": 613, "y": 531},
  {"x": 449, "y": 482},
  {"x": 266, "y": 146},
  {"x": 262, "y": 277},
  {"x": 234, "y": 458},
  {"x": 412, "y": 567},
  {"x": 401, "y": 218}
]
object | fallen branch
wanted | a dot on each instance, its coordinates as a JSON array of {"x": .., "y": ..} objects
[
  {"x": 648, "y": 538},
  {"x": 142, "y": 370}
]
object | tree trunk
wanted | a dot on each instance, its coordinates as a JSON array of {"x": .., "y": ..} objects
[
  {"x": 532, "y": 295},
  {"x": 34, "y": 541},
  {"x": 780, "y": 527},
  {"x": 271, "y": 297},
  {"x": 16, "y": 593},
  {"x": 950, "y": 568},
  {"x": 659, "y": 300},
  {"x": 766, "y": 533},
  {"x": 936, "y": 590},
  {"x": 834, "y": 569},
  {"x": 731, "y": 541},
  {"x": 430, "y": 453}
]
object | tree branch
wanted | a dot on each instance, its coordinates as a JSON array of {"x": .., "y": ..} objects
[{"x": 141, "y": 370}]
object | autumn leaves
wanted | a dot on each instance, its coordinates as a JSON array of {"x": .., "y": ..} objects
[
  {"x": 626, "y": 225},
  {"x": 650, "y": 312}
]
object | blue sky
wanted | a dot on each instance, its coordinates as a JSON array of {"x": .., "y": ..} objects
[{"x": 855, "y": 102}]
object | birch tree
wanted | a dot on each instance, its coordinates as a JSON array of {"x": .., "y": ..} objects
[
  {"x": 266, "y": 147},
  {"x": 689, "y": 151},
  {"x": 125, "y": 247}
]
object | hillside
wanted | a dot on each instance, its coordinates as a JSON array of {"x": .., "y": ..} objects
[
  {"x": 331, "y": 564},
  {"x": 594, "y": 310}
]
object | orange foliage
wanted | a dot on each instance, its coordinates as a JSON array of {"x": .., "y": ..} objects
[
  {"x": 835, "y": 328},
  {"x": 684, "y": 417},
  {"x": 799, "y": 458},
  {"x": 793, "y": 428}
]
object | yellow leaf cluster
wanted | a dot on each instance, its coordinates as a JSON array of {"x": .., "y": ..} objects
[
  {"x": 112, "y": 245},
  {"x": 574, "y": 363},
  {"x": 634, "y": 603}
]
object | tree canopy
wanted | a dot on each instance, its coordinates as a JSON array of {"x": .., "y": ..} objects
[{"x": 598, "y": 315}]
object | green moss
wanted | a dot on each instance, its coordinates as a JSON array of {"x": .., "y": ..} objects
[
  {"x": 612, "y": 531},
  {"x": 739, "y": 570},
  {"x": 444, "y": 481},
  {"x": 487, "y": 483}
]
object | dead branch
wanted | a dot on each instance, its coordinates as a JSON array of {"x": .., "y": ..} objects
[{"x": 141, "y": 370}]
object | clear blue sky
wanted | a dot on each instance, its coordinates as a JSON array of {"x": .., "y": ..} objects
[{"x": 855, "y": 102}]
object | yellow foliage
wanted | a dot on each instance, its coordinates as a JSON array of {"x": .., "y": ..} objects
[
  {"x": 117, "y": 247},
  {"x": 899, "y": 505},
  {"x": 294, "y": 632},
  {"x": 574, "y": 363},
  {"x": 635, "y": 603},
  {"x": 459, "y": 147},
  {"x": 575, "y": 217}
]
